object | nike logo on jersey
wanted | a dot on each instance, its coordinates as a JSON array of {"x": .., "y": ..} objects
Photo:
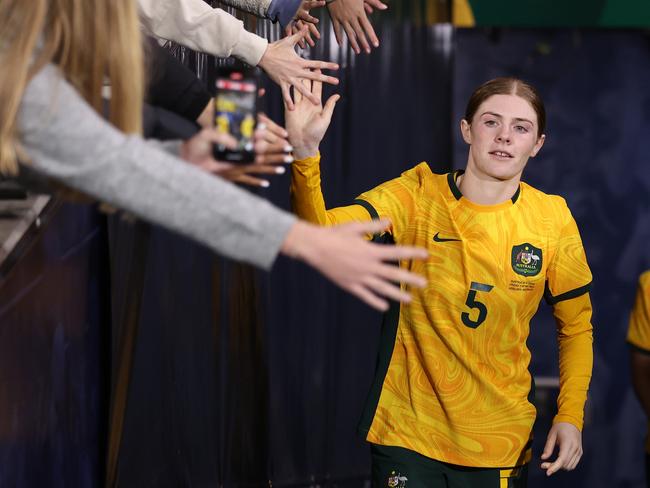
[{"x": 437, "y": 238}]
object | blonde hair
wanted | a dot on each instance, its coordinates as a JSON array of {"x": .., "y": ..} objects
[{"x": 90, "y": 40}]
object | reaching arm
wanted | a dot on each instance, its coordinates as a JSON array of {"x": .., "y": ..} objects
[
  {"x": 193, "y": 23},
  {"x": 306, "y": 125},
  {"x": 66, "y": 139}
]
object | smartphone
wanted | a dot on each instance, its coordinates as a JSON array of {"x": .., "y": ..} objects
[{"x": 236, "y": 112}]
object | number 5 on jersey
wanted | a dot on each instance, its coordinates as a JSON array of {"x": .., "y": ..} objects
[{"x": 474, "y": 304}]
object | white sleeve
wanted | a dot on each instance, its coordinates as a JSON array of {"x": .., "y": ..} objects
[{"x": 194, "y": 24}]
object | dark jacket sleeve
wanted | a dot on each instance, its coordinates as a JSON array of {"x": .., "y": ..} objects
[{"x": 173, "y": 86}]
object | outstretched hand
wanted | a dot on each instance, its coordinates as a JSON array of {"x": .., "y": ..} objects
[
  {"x": 351, "y": 16},
  {"x": 343, "y": 255},
  {"x": 569, "y": 439},
  {"x": 304, "y": 18},
  {"x": 271, "y": 153},
  {"x": 307, "y": 123},
  {"x": 287, "y": 69}
]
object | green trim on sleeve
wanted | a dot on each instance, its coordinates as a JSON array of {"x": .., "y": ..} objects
[
  {"x": 552, "y": 300},
  {"x": 371, "y": 210},
  {"x": 636, "y": 348}
]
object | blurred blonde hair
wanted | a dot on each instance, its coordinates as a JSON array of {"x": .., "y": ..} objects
[{"x": 90, "y": 40}]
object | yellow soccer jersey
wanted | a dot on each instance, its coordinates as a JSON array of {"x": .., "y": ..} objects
[
  {"x": 452, "y": 382},
  {"x": 638, "y": 334}
]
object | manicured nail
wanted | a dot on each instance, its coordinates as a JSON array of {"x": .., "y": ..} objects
[
  {"x": 265, "y": 184},
  {"x": 288, "y": 159},
  {"x": 280, "y": 170},
  {"x": 376, "y": 43},
  {"x": 288, "y": 148},
  {"x": 261, "y": 126}
]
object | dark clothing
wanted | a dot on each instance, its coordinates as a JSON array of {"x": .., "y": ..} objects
[
  {"x": 396, "y": 467},
  {"x": 173, "y": 86}
]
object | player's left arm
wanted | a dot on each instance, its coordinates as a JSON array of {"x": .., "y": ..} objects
[
  {"x": 573, "y": 317},
  {"x": 568, "y": 280}
]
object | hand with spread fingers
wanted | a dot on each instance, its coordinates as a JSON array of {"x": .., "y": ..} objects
[
  {"x": 271, "y": 153},
  {"x": 362, "y": 268},
  {"x": 287, "y": 69},
  {"x": 351, "y": 16},
  {"x": 569, "y": 439},
  {"x": 307, "y": 123},
  {"x": 298, "y": 26},
  {"x": 304, "y": 18}
]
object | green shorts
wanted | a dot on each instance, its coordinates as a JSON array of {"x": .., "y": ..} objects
[{"x": 396, "y": 467}]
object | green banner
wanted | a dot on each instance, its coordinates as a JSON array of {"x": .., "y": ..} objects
[{"x": 561, "y": 13}]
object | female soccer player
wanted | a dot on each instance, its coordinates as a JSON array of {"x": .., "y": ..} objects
[{"x": 451, "y": 401}]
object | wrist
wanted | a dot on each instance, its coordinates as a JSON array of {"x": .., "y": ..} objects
[
  {"x": 296, "y": 243},
  {"x": 305, "y": 152}
]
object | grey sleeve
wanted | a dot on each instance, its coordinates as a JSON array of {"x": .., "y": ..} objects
[
  {"x": 256, "y": 7},
  {"x": 172, "y": 147},
  {"x": 66, "y": 140}
]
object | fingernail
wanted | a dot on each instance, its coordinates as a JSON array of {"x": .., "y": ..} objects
[
  {"x": 288, "y": 159},
  {"x": 265, "y": 184},
  {"x": 280, "y": 170},
  {"x": 376, "y": 44},
  {"x": 261, "y": 125},
  {"x": 288, "y": 148}
]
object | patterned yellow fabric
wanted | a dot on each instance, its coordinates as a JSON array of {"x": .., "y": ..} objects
[
  {"x": 457, "y": 384},
  {"x": 639, "y": 331}
]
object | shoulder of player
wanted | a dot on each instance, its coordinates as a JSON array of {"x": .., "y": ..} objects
[
  {"x": 644, "y": 280},
  {"x": 423, "y": 178},
  {"x": 545, "y": 203}
]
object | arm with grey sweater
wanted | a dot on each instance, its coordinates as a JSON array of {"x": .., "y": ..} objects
[{"x": 66, "y": 140}]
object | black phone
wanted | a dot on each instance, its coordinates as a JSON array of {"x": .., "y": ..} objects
[{"x": 236, "y": 112}]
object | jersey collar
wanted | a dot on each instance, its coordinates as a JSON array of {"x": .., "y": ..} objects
[{"x": 455, "y": 191}]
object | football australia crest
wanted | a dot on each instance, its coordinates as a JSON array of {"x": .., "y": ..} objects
[
  {"x": 397, "y": 480},
  {"x": 526, "y": 259}
]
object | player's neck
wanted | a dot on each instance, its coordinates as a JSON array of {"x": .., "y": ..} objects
[{"x": 485, "y": 190}]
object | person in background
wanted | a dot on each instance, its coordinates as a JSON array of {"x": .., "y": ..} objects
[{"x": 638, "y": 337}]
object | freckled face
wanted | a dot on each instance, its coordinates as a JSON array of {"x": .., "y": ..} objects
[{"x": 502, "y": 136}]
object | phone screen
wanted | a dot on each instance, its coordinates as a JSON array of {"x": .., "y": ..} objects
[{"x": 236, "y": 114}]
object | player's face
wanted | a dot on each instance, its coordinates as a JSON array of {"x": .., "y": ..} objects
[{"x": 502, "y": 136}]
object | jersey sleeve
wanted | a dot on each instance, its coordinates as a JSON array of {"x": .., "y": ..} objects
[
  {"x": 307, "y": 197},
  {"x": 575, "y": 342},
  {"x": 568, "y": 279},
  {"x": 394, "y": 200},
  {"x": 638, "y": 335},
  {"x": 568, "y": 274}
]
